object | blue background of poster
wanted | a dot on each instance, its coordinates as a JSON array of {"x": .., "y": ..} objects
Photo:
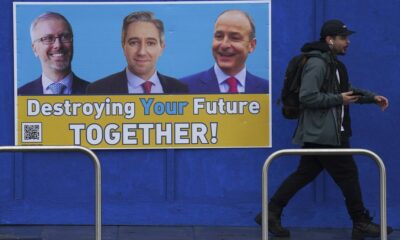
[{"x": 97, "y": 37}]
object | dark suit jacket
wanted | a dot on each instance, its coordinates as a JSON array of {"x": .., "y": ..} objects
[
  {"x": 118, "y": 84},
  {"x": 35, "y": 87},
  {"x": 206, "y": 82}
]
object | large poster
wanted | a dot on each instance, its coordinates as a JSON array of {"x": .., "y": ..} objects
[{"x": 113, "y": 75}]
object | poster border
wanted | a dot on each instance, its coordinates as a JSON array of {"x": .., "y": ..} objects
[{"x": 269, "y": 30}]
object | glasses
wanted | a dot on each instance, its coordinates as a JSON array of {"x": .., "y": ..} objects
[{"x": 50, "y": 39}]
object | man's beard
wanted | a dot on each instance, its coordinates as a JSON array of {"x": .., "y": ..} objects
[{"x": 61, "y": 67}]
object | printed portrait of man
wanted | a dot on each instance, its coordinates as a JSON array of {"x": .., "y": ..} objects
[{"x": 52, "y": 43}]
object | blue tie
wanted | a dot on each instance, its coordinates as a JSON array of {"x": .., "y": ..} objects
[{"x": 57, "y": 88}]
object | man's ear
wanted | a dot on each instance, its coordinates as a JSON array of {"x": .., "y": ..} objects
[
  {"x": 252, "y": 46},
  {"x": 329, "y": 40},
  {"x": 34, "y": 50},
  {"x": 162, "y": 47}
]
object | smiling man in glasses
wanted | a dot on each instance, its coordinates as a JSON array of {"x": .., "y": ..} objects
[{"x": 52, "y": 43}]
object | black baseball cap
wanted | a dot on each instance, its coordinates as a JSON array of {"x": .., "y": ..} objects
[{"x": 335, "y": 27}]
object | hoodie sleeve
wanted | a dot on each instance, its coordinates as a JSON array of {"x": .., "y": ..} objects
[
  {"x": 313, "y": 77},
  {"x": 366, "y": 96}
]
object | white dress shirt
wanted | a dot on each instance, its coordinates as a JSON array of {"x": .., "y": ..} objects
[
  {"x": 342, "y": 113},
  {"x": 135, "y": 83},
  {"x": 67, "y": 81},
  {"x": 221, "y": 77}
]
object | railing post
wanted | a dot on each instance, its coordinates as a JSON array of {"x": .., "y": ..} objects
[
  {"x": 330, "y": 151},
  {"x": 96, "y": 164}
]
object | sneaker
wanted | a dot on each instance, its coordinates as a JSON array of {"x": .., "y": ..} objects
[
  {"x": 364, "y": 227},
  {"x": 274, "y": 222}
]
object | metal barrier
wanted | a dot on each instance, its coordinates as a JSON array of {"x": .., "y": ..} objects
[
  {"x": 331, "y": 151},
  {"x": 97, "y": 169}
]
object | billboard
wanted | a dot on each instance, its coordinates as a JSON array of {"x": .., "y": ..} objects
[{"x": 100, "y": 63}]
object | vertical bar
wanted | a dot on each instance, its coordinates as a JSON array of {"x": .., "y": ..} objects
[
  {"x": 383, "y": 206},
  {"x": 97, "y": 168},
  {"x": 265, "y": 193},
  {"x": 333, "y": 151}
]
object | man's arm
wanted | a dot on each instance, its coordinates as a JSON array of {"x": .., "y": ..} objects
[{"x": 366, "y": 96}]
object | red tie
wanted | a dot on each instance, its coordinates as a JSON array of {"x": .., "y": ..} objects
[
  {"x": 147, "y": 87},
  {"x": 232, "y": 82}
]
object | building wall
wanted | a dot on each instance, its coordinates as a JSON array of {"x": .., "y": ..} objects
[{"x": 218, "y": 186}]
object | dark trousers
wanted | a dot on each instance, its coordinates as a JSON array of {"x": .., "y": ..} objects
[{"x": 341, "y": 168}]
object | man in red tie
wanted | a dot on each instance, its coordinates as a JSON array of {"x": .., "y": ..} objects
[
  {"x": 232, "y": 85},
  {"x": 143, "y": 43},
  {"x": 234, "y": 39}
]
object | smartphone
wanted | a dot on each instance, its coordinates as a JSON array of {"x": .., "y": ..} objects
[{"x": 357, "y": 93}]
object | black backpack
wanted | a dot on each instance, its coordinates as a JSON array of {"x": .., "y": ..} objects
[{"x": 291, "y": 86}]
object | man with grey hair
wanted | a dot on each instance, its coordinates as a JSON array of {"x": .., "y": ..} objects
[
  {"x": 234, "y": 39},
  {"x": 143, "y": 43},
  {"x": 52, "y": 43}
]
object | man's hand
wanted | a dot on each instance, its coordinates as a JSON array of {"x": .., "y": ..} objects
[
  {"x": 348, "y": 97},
  {"x": 382, "y": 102}
]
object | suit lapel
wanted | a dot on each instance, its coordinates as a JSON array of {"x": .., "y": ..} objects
[
  {"x": 75, "y": 84},
  {"x": 251, "y": 85},
  {"x": 210, "y": 81},
  {"x": 121, "y": 84},
  {"x": 38, "y": 86},
  {"x": 164, "y": 83}
]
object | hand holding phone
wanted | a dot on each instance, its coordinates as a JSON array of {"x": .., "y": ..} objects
[
  {"x": 349, "y": 97},
  {"x": 357, "y": 93}
]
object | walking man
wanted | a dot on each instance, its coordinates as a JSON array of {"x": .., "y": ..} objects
[{"x": 325, "y": 96}]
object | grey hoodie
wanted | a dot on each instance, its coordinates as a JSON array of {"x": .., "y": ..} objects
[{"x": 320, "y": 97}]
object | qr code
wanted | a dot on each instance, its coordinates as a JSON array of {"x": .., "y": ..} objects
[{"x": 31, "y": 132}]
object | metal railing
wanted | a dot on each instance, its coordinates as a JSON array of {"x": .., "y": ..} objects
[
  {"x": 331, "y": 151},
  {"x": 96, "y": 164}
]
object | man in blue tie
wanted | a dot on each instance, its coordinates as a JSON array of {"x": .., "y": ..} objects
[
  {"x": 234, "y": 39},
  {"x": 52, "y": 43}
]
